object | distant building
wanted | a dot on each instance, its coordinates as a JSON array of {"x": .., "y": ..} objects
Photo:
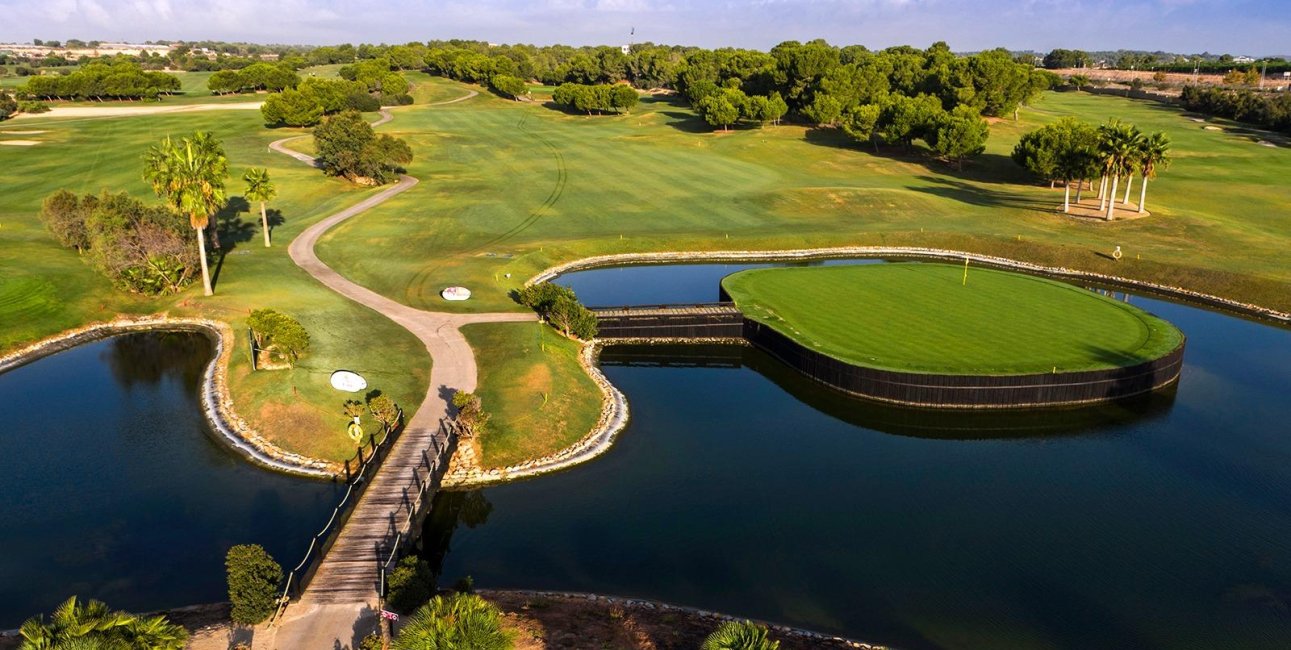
[
  {"x": 1243, "y": 59},
  {"x": 625, "y": 48}
]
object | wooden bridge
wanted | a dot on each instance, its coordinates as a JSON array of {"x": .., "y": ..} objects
[
  {"x": 717, "y": 320},
  {"x": 348, "y": 560}
]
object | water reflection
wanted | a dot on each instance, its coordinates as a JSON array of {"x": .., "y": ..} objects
[
  {"x": 948, "y": 424},
  {"x": 149, "y": 357},
  {"x": 448, "y": 511}
]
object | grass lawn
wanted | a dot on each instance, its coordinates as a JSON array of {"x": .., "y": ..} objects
[
  {"x": 513, "y": 187},
  {"x": 537, "y": 394},
  {"x": 45, "y": 289},
  {"x": 925, "y": 318}
]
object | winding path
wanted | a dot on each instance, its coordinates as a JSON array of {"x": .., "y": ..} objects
[{"x": 343, "y": 592}]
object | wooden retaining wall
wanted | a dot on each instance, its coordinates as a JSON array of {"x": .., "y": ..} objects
[
  {"x": 687, "y": 322},
  {"x": 724, "y": 321}
]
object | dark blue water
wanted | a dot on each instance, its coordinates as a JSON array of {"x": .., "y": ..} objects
[
  {"x": 115, "y": 489},
  {"x": 1163, "y": 522}
]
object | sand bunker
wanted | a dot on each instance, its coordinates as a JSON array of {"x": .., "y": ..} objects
[
  {"x": 1212, "y": 128},
  {"x": 123, "y": 111},
  {"x": 1266, "y": 143},
  {"x": 19, "y": 143},
  {"x": 22, "y": 132}
]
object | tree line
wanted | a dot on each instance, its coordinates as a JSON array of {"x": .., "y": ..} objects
[
  {"x": 601, "y": 98},
  {"x": 1070, "y": 151},
  {"x": 257, "y": 76},
  {"x": 119, "y": 79},
  {"x": 365, "y": 87},
  {"x": 1267, "y": 110}
]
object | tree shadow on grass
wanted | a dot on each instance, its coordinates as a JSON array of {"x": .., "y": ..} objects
[
  {"x": 973, "y": 194},
  {"x": 686, "y": 122},
  {"x": 233, "y": 230},
  {"x": 983, "y": 168}
]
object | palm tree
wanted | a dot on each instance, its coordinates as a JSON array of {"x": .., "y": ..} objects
[
  {"x": 456, "y": 622},
  {"x": 1117, "y": 146},
  {"x": 93, "y": 626},
  {"x": 189, "y": 175},
  {"x": 260, "y": 188},
  {"x": 736, "y": 635},
  {"x": 1153, "y": 155}
]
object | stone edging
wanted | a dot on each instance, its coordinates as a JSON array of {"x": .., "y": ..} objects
[
  {"x": 217, "y": 405},
  {"x": 904, "y": 251},
  {"x": 613, "y": 418},
  {"x": 614, "y": 411},
  {"x": 794, "y": 632}
]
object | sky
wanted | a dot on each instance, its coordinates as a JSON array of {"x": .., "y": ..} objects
[{"x": 1254, "y": 27}]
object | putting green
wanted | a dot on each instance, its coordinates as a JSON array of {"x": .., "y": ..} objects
[{"x": 924, "y": 318}]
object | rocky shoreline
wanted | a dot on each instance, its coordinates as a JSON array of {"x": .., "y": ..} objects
[{"x": 217, "y": 404}]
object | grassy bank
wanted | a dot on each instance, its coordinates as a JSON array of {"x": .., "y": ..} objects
[
  {"x": 933, "y": 318},
  {"x": 45, "y": 289},
  {"x": 531, "y": 383}
]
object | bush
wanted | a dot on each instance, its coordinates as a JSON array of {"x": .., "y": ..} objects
[
  {"x": 457, "y": 621},
  {"x": 279, "y": 334},
  {"x": 410, "y": 585},
  {"x": 33, "y": 107},
  {"x": 737, "y": 635},
  {"x": 140, "y": 248},
  {"x": 8, "y": 106},
  {"x": 253, "y": 583},
  {"x": 470, "y": 411},
  {"x": 560, "y": 307}
]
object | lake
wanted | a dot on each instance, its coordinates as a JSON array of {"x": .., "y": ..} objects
[
  {"x": 739, "y": 486},
  {"x": 115, "y": 487}
]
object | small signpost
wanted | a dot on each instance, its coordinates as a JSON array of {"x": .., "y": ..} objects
[{"x": 389, "y": 616}]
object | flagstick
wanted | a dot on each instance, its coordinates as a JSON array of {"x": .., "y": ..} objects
[{"x": 965, "y": 272}]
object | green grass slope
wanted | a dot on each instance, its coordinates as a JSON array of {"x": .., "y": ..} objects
[
  {"x": 513, "y": 187},
  {"x": 927, "y": 318}
]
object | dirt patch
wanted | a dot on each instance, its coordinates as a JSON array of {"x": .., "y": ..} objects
[
  {"x": 274, "y": 418},
  {"x": 20, "y": 143},
  {"x": 538, "y": 378},
  {"x": 574, "y": 623},
  {"x": 1089, "y": 211}
]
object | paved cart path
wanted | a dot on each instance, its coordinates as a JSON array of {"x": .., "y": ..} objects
[{"x": 342, "y": 597}]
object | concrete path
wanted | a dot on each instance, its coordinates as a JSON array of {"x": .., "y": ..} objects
[{"x": 342, "y": 598}]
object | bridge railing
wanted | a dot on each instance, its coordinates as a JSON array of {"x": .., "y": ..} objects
[
  {"x": 450, "y": 431},
  {"x": 358, "y": 472},
  {"x": 676, "y": 306}
]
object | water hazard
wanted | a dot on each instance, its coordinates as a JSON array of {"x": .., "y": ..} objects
[
  {"x": 1163, "y": 522},
  {"x": 115, "y": 488}
]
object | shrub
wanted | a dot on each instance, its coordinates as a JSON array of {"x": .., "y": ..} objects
[
  {"x": 457, "y": 621},
  {"x": 737, "y": 635},
  {"x": 560, "y": 307},
  {"x": 31, "y": 106},
  {"x": 279, "y": 334},
  {"x": 8, "y": 106},
  {"x": 384, "y": 410},
  {"x": 253, "y": 583},
  {"x": 410, "y": 585},
  {"x": 65, "y": 214},
  {"x": 140, "y": 248},
  {"x": 470, "y": 411}
]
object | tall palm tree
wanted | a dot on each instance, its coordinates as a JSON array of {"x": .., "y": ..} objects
[
  {"x": 1154, "y": 155},
  {"x": 189, "y": 175},
  {"x": 260, "y": 188},
  {"x": 1117, "y": 145},
  {"x": 736, "y": 635},
  {"x": 456, "y": 622}
]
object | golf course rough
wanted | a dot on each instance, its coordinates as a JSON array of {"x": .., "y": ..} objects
[{"x": 927, "y": 318}]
